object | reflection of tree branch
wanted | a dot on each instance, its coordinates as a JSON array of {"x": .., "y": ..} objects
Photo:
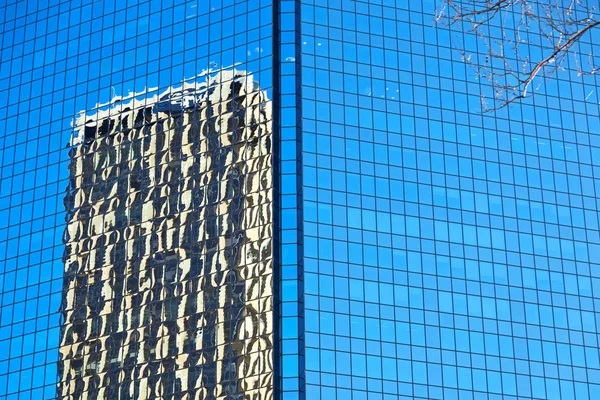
[
  {"x": 488, "y": 12},
  {"x": 550, "y": 59},
  {"x": 509, "y": 68}
]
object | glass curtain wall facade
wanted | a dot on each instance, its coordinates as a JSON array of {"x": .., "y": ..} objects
[
  {"x": 448, "y": 253},
  {"x": 420, "y": 247},
  {"x": 81, "y": 310}
]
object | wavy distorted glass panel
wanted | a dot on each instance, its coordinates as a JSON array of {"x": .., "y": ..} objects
[{"x": 168, "y": 281}]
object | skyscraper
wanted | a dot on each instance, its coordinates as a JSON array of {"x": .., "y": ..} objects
[
  {"x": 168, "y": 262},
  {"x": 383, "y": 238}
]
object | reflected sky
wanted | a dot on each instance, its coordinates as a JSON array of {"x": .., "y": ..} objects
[{"x": 61, "y": 58}]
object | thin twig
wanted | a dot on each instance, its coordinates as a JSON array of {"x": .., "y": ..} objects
[{"x": 510, "y": 70}]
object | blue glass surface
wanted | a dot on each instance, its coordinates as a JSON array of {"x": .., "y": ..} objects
[
  {"x": 448, "y": 253},
  {"x": 59, "y": 58},
  {"x": 427, "y": 249}
]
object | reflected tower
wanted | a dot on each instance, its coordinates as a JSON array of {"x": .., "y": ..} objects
[{"x": 168, "y": 283}]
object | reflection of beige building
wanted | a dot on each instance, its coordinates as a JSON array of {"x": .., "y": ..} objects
[{"x": 168, "y": 262}]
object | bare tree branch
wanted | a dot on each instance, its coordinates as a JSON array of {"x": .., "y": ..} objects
[
  {"x": 524, "y": 41},
  {"x": 552, "y": 57}
]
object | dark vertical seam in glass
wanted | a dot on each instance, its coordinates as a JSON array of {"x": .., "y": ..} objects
[
  {"x": 276, "y": 228},
  {"x": 298, "y": 192},
  {"x": 300, "y": 216}
]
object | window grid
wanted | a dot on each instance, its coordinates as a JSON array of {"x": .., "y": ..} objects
[{"x": 470, "y": 236}]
